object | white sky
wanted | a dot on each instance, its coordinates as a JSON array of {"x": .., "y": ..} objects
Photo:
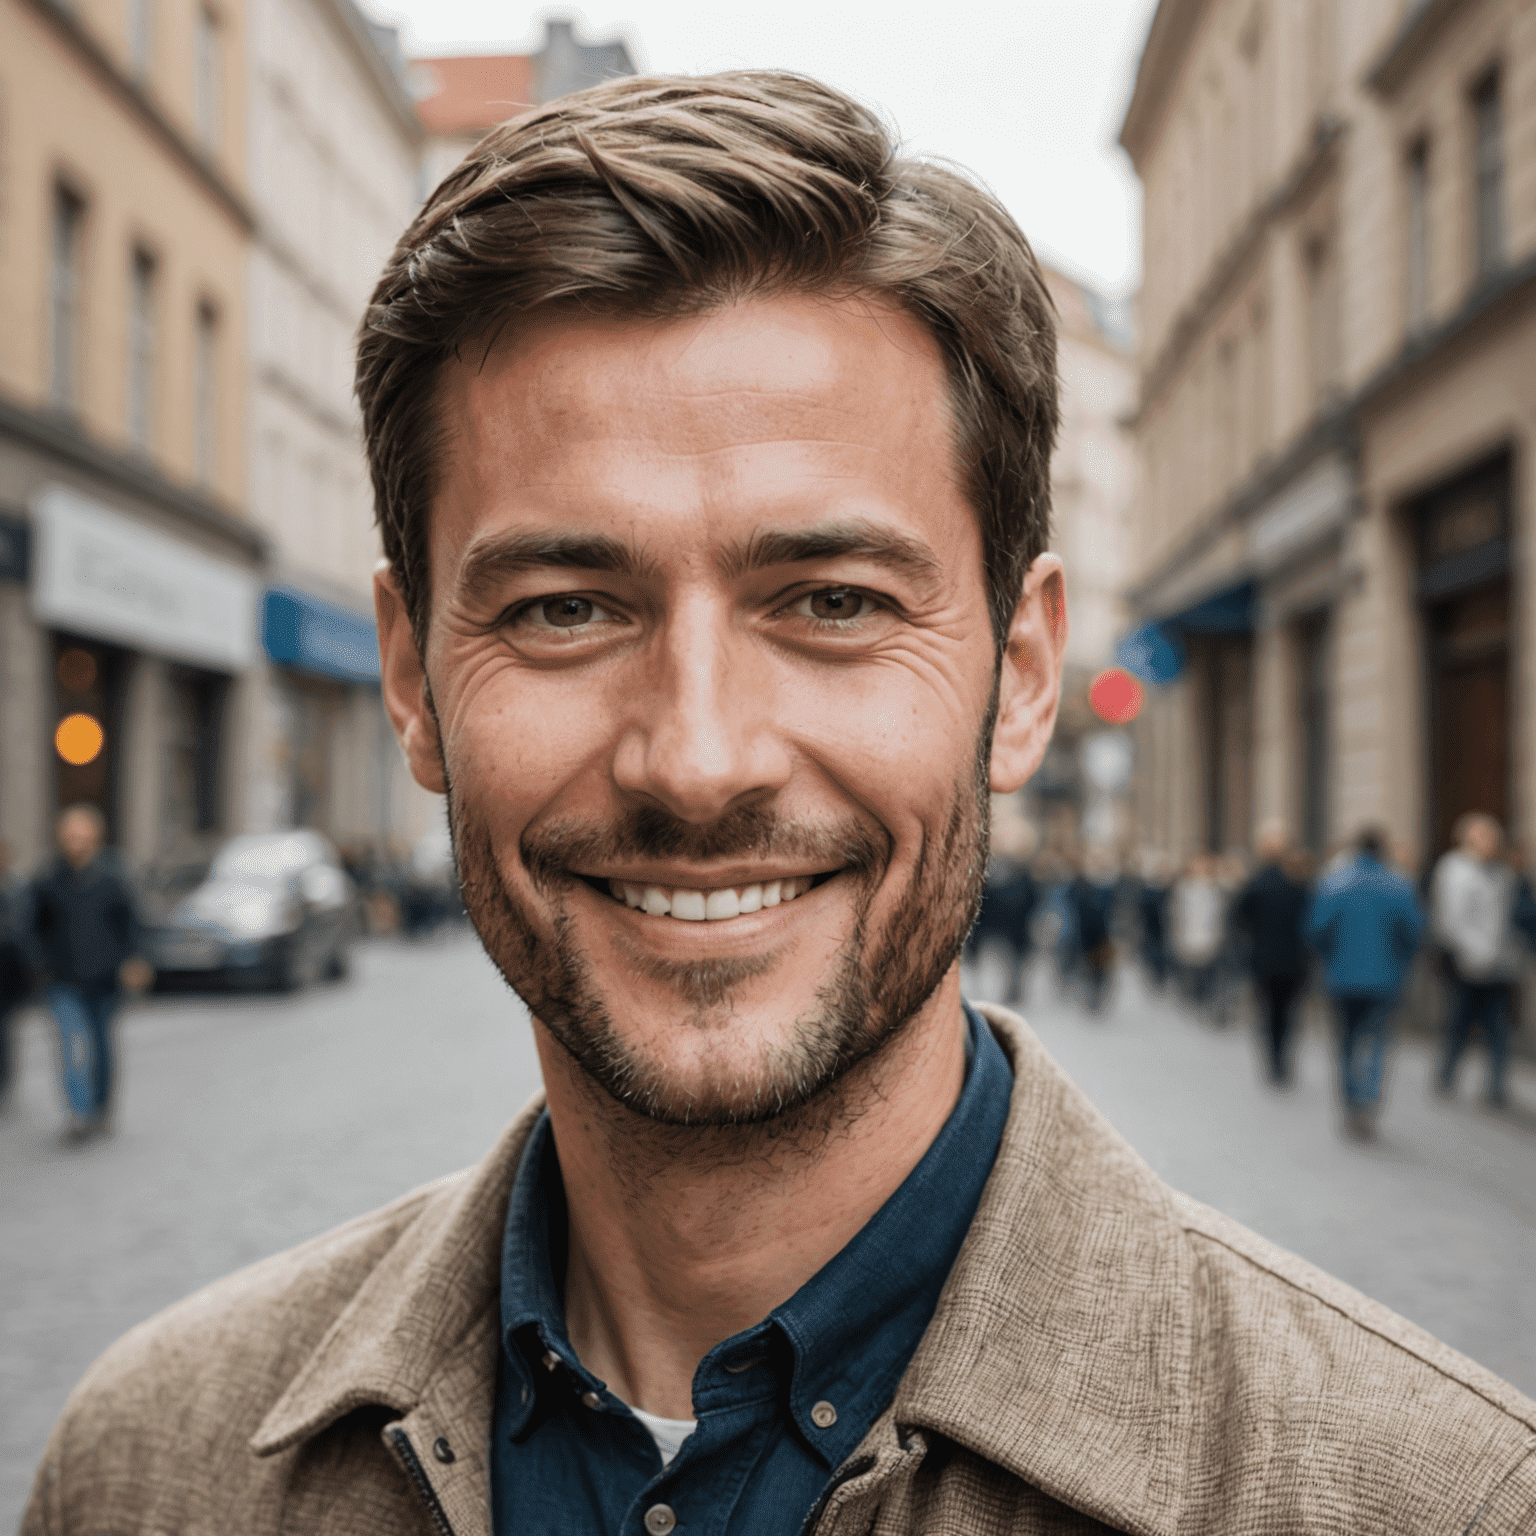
[{"x": 1027, "y": 95}]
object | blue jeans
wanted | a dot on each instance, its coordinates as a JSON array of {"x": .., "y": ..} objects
[
  {"x": 85, "y": 1046},
  {"x": 1364, "y": 1027},
  {"x": 1485, "y": 1003}
]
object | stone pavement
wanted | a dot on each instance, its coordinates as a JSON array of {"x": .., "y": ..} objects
[{"x": 247, "y": 1125}]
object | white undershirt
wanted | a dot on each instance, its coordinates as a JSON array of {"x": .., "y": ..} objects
[{"x": 668, "y": 1434}]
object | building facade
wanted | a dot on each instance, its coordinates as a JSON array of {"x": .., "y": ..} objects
[
  {"x": 129, "y": 568},
  {"x": 1092, "y": 485},
  {"x": 1336, "y": 414},
  {"x": 333, "y": 176}
]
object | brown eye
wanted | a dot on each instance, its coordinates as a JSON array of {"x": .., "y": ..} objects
[
  {"x": 837, "y": 604},
  {"x": 568, "y": 612}
]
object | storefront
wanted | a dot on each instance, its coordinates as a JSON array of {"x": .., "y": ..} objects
[
  {"x": 336, "y": 764},
  {"x": 140, "y": 638}
]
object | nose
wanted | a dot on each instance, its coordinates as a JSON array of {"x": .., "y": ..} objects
[{"x": 703, "y": 735}]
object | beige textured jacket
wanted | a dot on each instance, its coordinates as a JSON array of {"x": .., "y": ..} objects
[{"x": 1107, "y": 1354}]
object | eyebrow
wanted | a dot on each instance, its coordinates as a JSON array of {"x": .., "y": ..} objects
[
  {"x": 842, "y": 538},
  {"x": 491, "y": 561}
]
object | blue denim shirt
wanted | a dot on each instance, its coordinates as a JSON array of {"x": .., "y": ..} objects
[{"x": 568, "y": 1457}]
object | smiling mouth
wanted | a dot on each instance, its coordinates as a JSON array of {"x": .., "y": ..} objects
[{"x": 707, "y": 906}]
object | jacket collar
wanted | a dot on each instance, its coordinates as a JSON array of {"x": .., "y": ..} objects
[
  {"x": 436, "y": 1285},
  {"x": 1062, "y": 1345},
  {"x": 1060, "y": 1351}
]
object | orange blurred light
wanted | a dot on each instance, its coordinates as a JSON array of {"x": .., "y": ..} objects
[
  {"x": 1116, "y": 696},
  {"x": 79, "y": 739}
]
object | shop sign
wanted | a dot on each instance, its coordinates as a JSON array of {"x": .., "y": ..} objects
[{"x": 101, "y": 574}]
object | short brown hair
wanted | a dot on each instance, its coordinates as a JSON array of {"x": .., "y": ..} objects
[{"x": 661, "y": 197}]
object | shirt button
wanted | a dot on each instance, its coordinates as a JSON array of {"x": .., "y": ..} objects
[
  {"x": 443, "y": 1451},
  {"x": 591, "y": 1399},
  {"x": 551, "y": 1360},
  {"x": 823, "y": 1415},
  {"x": 659, "y": 1520}
]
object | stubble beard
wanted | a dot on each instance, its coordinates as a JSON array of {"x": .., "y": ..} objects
[{"x": 880, "y": 979}]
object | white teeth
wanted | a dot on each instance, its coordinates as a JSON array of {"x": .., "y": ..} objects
[{"x": 708, "y": 906}]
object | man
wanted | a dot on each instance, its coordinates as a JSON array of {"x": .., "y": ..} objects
[
  {"x": 711, "y": 442},
  {"x": 84, "y": 930},
  {"x": 1271, "y": 909},
  {"x": 1002, "y": 935},
  {"x": 1197, "y": 932},
  {"x": 1092, "y": 898},
  {"x": 1473, "y": 899},
  {"x": 1365, "y": 921}
]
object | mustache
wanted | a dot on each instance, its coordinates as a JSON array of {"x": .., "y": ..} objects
[{"x": 650, "y": 832}]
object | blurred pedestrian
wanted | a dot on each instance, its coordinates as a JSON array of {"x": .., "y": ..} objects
[
  {"x": 1151, "y": 899},
  {"x": 1474, "y": 895},
  {"x": 83, "y": 927},
  {"x": 15, "y": 974},
  {"x": 1092, "y": 897},
  {"x": 1365, "y": 921},
  {"x": 1197, "y": 928},
  {"x": 1271, "y": 911},
  {"x": 1008, "y": 904}
]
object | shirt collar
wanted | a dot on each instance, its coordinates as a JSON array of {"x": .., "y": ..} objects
[{"x": 846, "y": 1335}]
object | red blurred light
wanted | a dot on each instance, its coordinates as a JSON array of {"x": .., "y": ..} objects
[{"x": 1116, "y": 696}]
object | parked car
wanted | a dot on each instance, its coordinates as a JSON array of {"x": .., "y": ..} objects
[{"x": 275, "y": 910}]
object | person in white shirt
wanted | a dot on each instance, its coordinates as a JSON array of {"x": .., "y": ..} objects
[{"x": 1472, "y": 901}]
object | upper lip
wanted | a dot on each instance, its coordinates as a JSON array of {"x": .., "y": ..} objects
[{"x": 732, "y": 875}]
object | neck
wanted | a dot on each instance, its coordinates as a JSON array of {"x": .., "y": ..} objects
[{"x": 681, "y": 1237}]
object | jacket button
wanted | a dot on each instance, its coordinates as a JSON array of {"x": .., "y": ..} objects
[
  {"x": 443, "y": 1451},
  {"x": 659, "y": 1520},
  {"x": 823, "y": 1415}
]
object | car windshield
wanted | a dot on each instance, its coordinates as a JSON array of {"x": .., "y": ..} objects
[{"x": 265, "y": 858}]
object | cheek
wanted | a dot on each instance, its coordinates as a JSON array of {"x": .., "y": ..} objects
[
  {"x": 514, "y": 737},
  {"x": 894, "y": 737}
]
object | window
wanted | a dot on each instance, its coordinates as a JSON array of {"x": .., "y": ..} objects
[
  {"x": 64, "y": 297},
  {"x": 209, "y": 100},
  {"x": 205, "y": 387},
  {"x": 1323, "y": 317},
  {"x": 1418, "y": 235},
  {"x": 141, "y": 349},
  {"x": 1488, "y": 140},
  {"x": 141, "y": 36}
]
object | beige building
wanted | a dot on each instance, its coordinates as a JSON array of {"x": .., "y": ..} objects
[
  {"x": 127, "y": 562},
  {"x": 1337, "y": 413},
  {"x": 1092, "y": 485},
  {"x": 333, "y": 174}
]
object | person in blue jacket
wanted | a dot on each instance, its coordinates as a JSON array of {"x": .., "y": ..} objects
[{"x": 1365, "y": 922}]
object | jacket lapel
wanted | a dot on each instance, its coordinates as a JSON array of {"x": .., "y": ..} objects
[
  {"x": 419, "y": 1337},
  {"x": 1061, "y": 1348}
]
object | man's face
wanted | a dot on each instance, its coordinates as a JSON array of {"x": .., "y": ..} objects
[
  {"x": 712, "y": 669},
  {"x": 79, "y": 838}
]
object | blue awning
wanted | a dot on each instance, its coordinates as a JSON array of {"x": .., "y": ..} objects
[
  {"x": 1154, "y": 651},
  {"x": 313, "y": 635}
]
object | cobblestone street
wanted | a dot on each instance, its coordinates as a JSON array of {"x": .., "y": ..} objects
[{"x": 246, "y": 1125}]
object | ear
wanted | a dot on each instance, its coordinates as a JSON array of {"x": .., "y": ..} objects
[
  {"x": 1029, "y": 687},
  {"x": 404, "y": 683}
]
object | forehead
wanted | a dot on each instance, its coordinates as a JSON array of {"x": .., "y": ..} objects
[{"x": 771, "y": 408}]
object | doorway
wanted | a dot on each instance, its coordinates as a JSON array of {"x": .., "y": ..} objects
[{"x": 1465, "y": 600}]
